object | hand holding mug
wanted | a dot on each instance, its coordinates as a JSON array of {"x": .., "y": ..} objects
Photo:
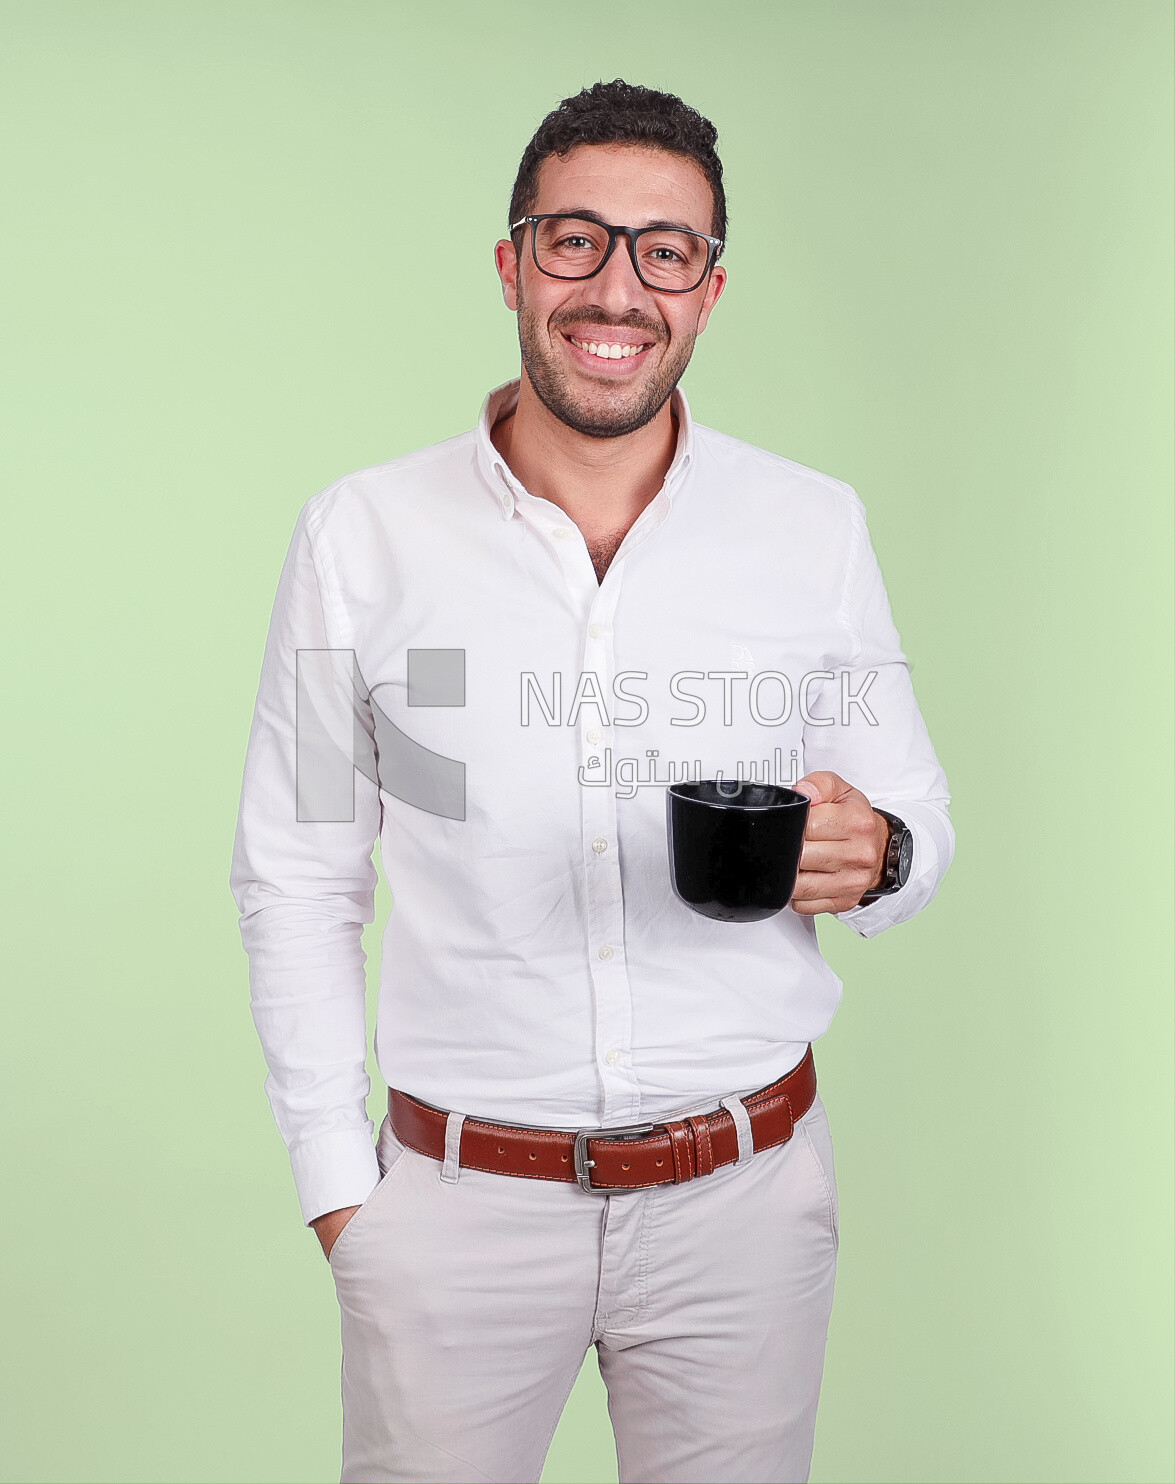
[{"x": 845, "y": 841}]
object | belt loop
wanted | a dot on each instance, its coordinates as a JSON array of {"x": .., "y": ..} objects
[
  {"x": 742, "y": 1124},
  {"x": 703, "y": 1149},
  {"x": 450, "y": 1170},
  {"x": 682, "y": 1148}
]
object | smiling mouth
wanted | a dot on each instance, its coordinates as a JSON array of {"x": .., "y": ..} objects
[{"x": 614, "y": 351}]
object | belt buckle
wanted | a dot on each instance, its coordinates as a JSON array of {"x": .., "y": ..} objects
[{"x": 584, "y": 1165}]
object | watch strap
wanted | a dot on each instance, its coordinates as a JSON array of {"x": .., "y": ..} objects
[{"x": 893, "y": 847}]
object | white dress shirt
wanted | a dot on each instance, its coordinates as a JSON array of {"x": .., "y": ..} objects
[{"x": 536, "y": 965}]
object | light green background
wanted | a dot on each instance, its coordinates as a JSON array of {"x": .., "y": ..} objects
[{"x": 248, "y": 249}]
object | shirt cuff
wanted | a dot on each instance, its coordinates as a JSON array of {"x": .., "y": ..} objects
[
  {"x": 874, "y": 918},
  {"x": 335, "y": 1170},
  {"x": 934, "y": 847}
]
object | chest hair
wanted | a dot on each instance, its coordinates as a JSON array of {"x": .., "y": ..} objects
[{"x": 602, "y": 549}]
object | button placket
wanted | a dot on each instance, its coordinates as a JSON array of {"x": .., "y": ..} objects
[
  {"x": 598, "y": 659},
  {"x": 603, "y": 884}
]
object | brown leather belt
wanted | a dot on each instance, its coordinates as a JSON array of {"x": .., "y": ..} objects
[{"x": 612, "y": 1158}]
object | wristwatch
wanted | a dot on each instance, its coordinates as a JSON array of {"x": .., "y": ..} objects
[{"x": 899, "y": 856}]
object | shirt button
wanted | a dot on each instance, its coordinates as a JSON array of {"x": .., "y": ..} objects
[
  {"x": 606, "y": 952},
  {"x": 595, "y": 630},
  {"x": 613, "y": 1057},
  {"x": 560, "y": 532},
  {"x": 600, "y": 845},
  {"x": 595, "y": 736}
]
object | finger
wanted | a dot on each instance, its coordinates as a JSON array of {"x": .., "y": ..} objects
[
  {"x": 857, "y": 827},
  {"x": 824, "y": 857},
  {"x": 831, "y": 822},
  {"x": 858, "y": 853},
  {"x": 817, "y": 891},
  {"x": 843, "y": 886},
  {"x": 810, "y": 907},
  {"x": 823, "y": 788}
]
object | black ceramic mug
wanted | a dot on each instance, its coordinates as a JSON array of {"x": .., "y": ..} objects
[{"x": 734, "y": 848}]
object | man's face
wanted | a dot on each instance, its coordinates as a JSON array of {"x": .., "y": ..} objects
[{"x": 633, "y": 186}]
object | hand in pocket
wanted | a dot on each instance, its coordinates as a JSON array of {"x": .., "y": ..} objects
[{"x": 330, "y": 1225}]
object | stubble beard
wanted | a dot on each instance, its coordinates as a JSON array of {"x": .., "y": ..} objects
[{"x": 637, "y": 406}]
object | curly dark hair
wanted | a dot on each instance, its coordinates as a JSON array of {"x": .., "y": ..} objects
[{"x": 622, "y": 113}]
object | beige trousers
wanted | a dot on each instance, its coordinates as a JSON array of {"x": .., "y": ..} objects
[{"x": 469, "y": 1299}]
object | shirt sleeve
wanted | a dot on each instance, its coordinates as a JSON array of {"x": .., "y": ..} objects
[
  {"x": 877, "y": 739},
  {"x": 305, "y": 887}
]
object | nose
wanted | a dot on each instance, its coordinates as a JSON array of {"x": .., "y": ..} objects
[{"x": 616, "y": 287}]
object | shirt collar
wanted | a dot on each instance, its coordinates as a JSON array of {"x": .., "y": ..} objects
[{"x": 506, "y": 488}]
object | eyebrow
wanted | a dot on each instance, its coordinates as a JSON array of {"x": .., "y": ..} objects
[{"x": 591, "y": 215}]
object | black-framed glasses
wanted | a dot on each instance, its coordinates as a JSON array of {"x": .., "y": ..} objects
[{"x": 669, "y": 260}]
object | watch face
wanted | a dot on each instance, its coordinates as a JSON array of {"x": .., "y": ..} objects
[{"x": 905, "y": 857}]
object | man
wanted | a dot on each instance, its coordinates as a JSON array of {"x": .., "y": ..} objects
[{"x": 521, "y": 634}]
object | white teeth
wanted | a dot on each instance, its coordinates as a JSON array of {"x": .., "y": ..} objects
[{"x": 608, "y": 352}]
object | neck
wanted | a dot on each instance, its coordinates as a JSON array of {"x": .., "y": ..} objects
[{"x": 602, "y": 483}]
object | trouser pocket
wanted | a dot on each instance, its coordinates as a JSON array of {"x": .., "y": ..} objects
[
  {"x": 814, "y": 1129},
  {"x": 390, "y": 1154}
]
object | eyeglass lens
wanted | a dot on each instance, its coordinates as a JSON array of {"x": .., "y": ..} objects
[{"x": 572, "y": 247}]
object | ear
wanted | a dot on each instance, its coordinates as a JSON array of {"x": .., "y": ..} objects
[
  {"x": 506, "y": 262},
  {"x": 713, "y": 293}
]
